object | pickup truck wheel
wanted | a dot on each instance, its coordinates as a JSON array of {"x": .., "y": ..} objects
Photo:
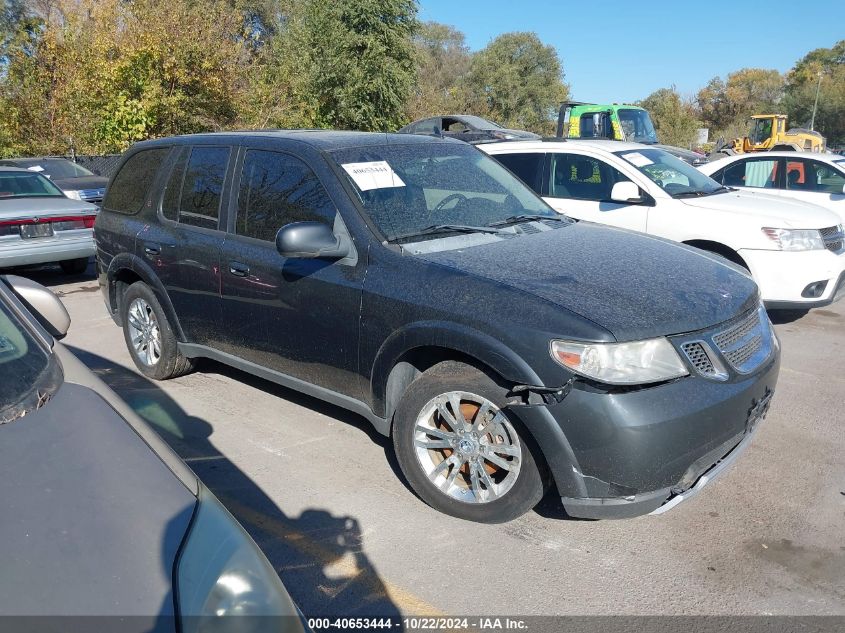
[
  {"x": 460, "y": 451},
  {"x": 149, "y": 337}
]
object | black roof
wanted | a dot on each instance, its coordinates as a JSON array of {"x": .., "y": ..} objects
[
  {"x": 34, "y": 160},
  {"x": 319, "y": 139}
]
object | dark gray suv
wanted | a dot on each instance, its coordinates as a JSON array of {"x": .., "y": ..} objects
[{"x": 419, "y": 283}]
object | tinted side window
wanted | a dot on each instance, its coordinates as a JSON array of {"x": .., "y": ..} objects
[
  {"x": 527, "y": 167},
  {"x": 751, "y": 173},
  {"x": 173, "y": 188},
  {"x": 812, "y": 175},
  {"x": 582, "y": 178},
  {"x": 202, "y": 186},
  {"x": 277, "y": 189},
  {"x": 128, "y": 190}
]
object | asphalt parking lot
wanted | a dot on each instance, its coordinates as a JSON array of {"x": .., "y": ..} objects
[{"x": 319, "y": 492}]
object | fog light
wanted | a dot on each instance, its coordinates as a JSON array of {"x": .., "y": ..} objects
[{"x": 814, "y": 290}]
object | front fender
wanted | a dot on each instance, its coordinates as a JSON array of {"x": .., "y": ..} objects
[{"x": 448, "y": 336}]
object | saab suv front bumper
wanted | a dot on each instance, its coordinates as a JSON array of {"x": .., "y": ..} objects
[{"x": 619, "y": 453}]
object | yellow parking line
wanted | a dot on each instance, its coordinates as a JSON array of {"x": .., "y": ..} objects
[{"x": 377, "y": 588}]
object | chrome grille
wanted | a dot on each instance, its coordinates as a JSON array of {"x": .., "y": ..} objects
[
  {"x": 728, "y": 338},
  {"x": 833, "y": 237},
  {"x": 92, "y": 195},
  {"x": 698, "y": 357},
  {"x": 746, "y": 344}
]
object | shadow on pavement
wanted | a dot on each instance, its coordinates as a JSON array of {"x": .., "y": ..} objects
[
  {"x": 781, "y": 317},
  {"x": 319, "y": 557},
  {"x": 51, "y": 275}
]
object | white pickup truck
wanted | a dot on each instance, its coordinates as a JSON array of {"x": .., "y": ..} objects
[{"x": 795, "y": 251}]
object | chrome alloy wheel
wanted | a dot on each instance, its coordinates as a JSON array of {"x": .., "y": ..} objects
[
  {"x": 144, "y": 332},
  {"x": 467, "y": 447}
]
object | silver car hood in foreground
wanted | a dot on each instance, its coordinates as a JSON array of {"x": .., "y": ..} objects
[{"x": 92, "y": 517}]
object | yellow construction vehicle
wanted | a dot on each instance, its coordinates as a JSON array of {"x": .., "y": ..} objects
[{"x": 768, "y": 132}]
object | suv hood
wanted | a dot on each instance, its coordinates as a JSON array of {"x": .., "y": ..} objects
[
  {"x": 636, "y": 286},
  {"x": 686, "y": 155},
  {"x": 83, "y": 182},
  {"x": 772, "y": 210}
]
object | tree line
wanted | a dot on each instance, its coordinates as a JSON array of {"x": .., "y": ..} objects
[
  {"x": 94, "y": 76},
  {"x": 724, "y": 105}
]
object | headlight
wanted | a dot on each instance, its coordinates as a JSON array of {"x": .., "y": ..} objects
[
  {"x": 221, "y": 572},
  {"x": 795, "y": 239},
  {"x": 637, "y": 362},
  {"x": 73, "y": 194}
]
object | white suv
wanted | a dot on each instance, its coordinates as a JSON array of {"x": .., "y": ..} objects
[
  {"x": 816, "y": 178},
  {"x": 794, "y": 250}
]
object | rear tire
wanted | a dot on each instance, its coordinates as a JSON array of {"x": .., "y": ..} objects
[
  {"x": 149, "y": 336},
  {"x": 74, "y": 266},
  {"x": 483, "y": 467}
]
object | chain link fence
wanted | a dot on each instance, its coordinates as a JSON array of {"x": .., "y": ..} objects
[{"x": 104, "y": 165}]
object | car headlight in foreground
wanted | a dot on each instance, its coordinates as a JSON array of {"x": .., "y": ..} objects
[
  {"x": 221, "y": 572},
  {"x": 633, "y": 363},
  {"x": 795, "y": 239}
]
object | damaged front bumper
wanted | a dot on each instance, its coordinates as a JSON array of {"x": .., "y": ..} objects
[{"x": 625, "y": 453}]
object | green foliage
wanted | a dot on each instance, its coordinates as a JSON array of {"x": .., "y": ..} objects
[
  {"x": 360, "y": 67},
  {"x": 98, "y": 75},
  {"x": 674, "y": 120},
  {"x": 443, "y": 61},
  {"x": 801, "y": 87},
  {"x": 518, "y": 82},
  {"x": 726, "y": 105}
]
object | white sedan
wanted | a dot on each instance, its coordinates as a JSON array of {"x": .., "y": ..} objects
[
  {"x": 795, "y": 251},
  {"x": 816, "y": 178}
]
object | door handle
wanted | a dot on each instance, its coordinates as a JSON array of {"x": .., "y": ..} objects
[
  {"x": 152, "y": 249},
  {"x": 238, "y": 269}
]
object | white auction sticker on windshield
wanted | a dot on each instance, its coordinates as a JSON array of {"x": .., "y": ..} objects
[
  {"x": 637, "y": 159},
  {"x": 36, "y": 168},
  {"x": 373, "y": 175}
]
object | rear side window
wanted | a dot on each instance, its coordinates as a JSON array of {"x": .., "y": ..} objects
[
  {"x": 277, "y": 189},
  {"x": 202, "y": 186},
  {"x": 128, "y": 190},
  {"x": 751, "y": 173},
  {"x": 813, "y": 175},
  {"x": 173, "y": 188},
  {"x": 527, "y": 167}
]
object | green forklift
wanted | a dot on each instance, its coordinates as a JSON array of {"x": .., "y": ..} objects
[{"x": 617, "y": 122}]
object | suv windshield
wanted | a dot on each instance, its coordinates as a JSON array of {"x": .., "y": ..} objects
[
  {"x": 23, "y": 365},
  {"x": 674, "y": 176},
  {"x": 637, "y": 126},
  {"x": 20, "y": 184},
  {"x": 407, "y": 189}
]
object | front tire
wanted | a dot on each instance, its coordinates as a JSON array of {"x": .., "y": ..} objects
[
  {"x": 461, "y": 452},
  {"x": 149, "y": 336}
]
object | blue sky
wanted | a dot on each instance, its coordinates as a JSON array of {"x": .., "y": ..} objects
[{"x": 622, "y": 50}]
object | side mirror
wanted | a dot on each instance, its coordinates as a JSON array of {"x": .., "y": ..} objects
[
  {"x": 626, "y": 192},
  {"x": 45, "y": 306},
  {"x": 310, "y": 240}
]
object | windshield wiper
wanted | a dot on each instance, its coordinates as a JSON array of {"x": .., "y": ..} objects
[
  {"x": 525, "y": 217},
  {"x": 444, "y": 228},
  {"x": 699, "y": 193}
]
